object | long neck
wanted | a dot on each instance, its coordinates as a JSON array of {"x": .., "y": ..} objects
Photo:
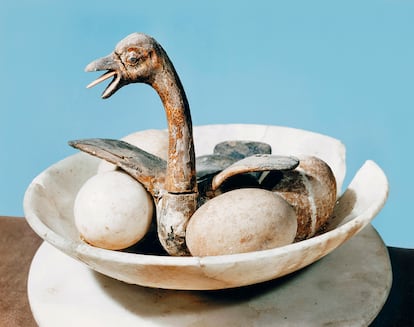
[{"x": 181, "y": 176}]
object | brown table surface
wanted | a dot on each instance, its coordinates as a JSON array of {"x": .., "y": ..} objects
[{"x": 18, "y": 244}]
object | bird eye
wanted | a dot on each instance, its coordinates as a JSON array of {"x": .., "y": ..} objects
[{"x": 133, "y": 60}]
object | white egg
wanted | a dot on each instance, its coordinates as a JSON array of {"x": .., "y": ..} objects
[
  {"x": 154, "y": 141},
  {"x": 241, "y": 220},
  {"x": 113, "y": 211}
]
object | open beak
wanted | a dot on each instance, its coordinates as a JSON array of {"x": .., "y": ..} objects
[{"x": 111, "y": 64}]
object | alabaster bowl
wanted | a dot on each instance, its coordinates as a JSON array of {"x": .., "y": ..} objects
[{"x": 49, "y": 202}]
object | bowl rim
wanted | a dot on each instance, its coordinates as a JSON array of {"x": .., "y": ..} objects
[{"x": 135, "y": 258}]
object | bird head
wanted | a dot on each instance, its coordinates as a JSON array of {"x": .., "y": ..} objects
[{"x": 134, "y": 60}]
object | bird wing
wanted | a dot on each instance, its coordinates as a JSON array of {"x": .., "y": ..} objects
[
  {"x": 255, "y": 163},
  {"x": 145, "y": 167}
]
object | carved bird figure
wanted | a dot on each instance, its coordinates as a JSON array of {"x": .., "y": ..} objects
[{"x": 178, "y": 190}]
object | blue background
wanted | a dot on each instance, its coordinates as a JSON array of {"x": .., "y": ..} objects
[{"x": 339, "y": 68}]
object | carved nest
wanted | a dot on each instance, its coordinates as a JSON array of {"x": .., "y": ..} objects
[{"x": 49, "y": 200}]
